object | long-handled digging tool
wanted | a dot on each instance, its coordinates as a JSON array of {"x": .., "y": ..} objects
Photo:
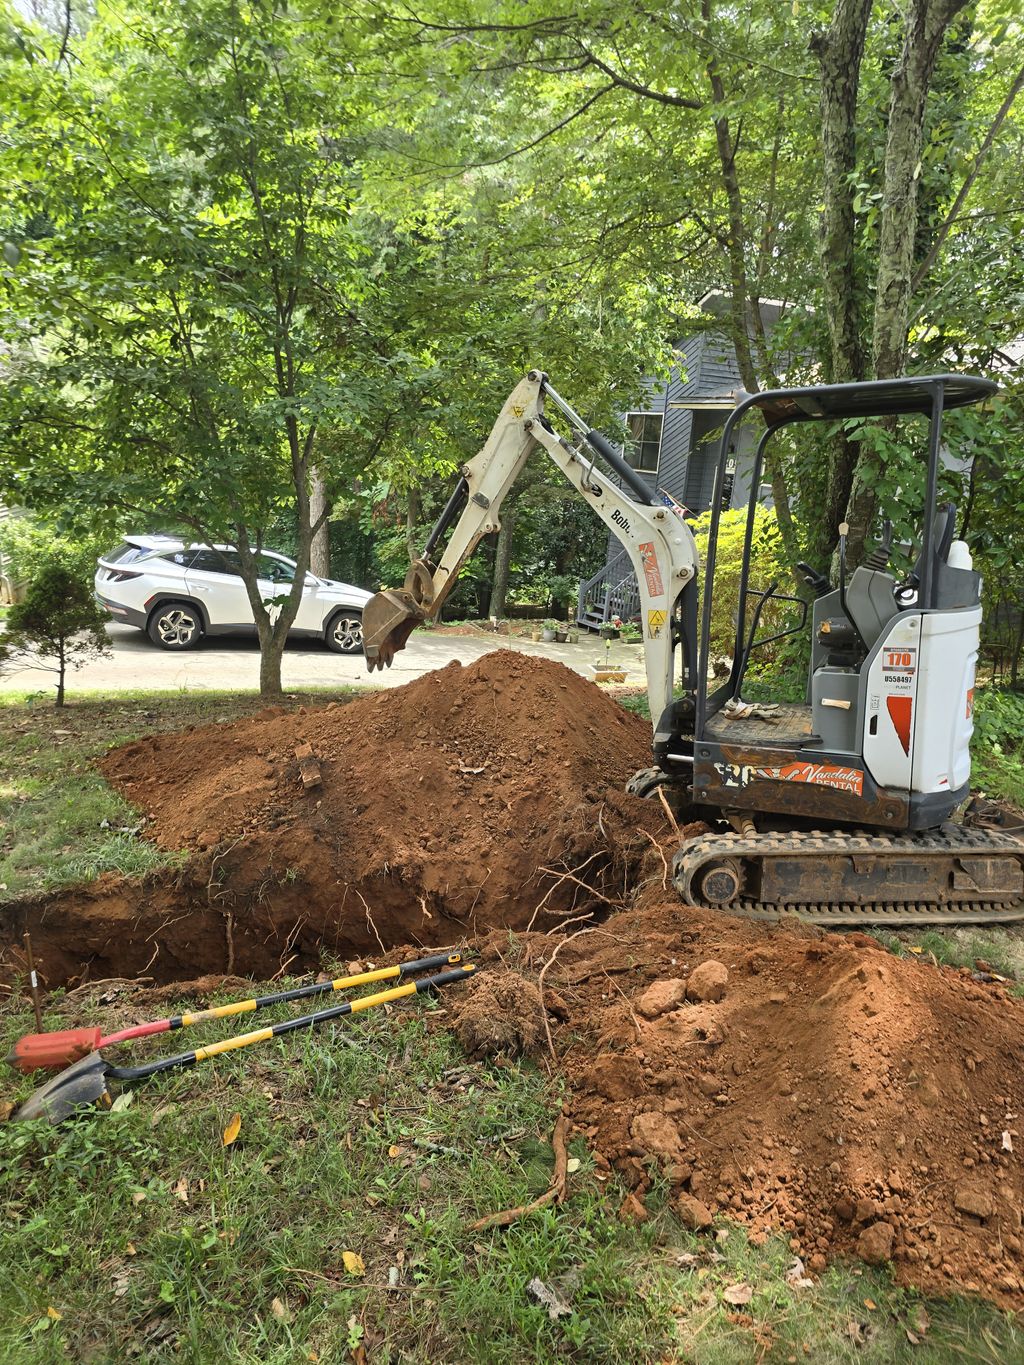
[
  {"x": 87, "y": 1082},
  {"x": 51, "y": 1051}
]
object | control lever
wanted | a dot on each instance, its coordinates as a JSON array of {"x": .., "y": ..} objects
[{"x": 814, "y": 579}]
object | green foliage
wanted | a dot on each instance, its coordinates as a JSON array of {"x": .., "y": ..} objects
[
  {"x": 997, "y": 748},
  {"x": 28, "y": 544},
  {"x": 768, "y": 566}
]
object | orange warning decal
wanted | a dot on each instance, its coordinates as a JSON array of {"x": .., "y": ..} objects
[
  {"x": 900, "y": 710},
  {"x": 970, "y": 702},
  {"x": 651, "y": 571}
]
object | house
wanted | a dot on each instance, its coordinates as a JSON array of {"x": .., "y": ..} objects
[{"x": 673, "y": 444}]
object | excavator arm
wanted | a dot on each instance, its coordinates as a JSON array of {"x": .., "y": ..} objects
[{"x": 659, "y": 544}]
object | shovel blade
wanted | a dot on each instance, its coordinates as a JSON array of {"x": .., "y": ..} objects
[
  {"x": 389, "y": 618},
  {"x": 83, "y": 1085}
]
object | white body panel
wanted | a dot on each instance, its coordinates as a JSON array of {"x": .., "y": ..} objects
[
  {"x": 920, "y": 690},
  {"x": 945, "y": 700}
]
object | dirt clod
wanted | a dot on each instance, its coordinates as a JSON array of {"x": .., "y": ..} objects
[
  {"x": 500, "y": 1016},
  {"x": 874, "y": 1245},
  {"x": 693, "y": 1214},
  {"x": 660, "y": 998},
  {"x": 707, "y": 982}
]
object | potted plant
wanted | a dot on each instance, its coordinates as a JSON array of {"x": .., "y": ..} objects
[
  {"x": 610, "y": 629},
  {"x": 561, "y": 634},
  {"x": 548, "y": 631},
  {"x": 573, "y": 635}
]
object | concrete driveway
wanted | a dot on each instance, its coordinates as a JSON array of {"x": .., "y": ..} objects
[{"x": 233, "y": 665}]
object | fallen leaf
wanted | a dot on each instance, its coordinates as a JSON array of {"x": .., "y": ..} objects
[
  {"x": 550, "y": 1298},
  {"x": 181, "y": 1190},
  {"x": 232, "y": 1130},
  {"x": 353, "y": 1263},
  {"x": 53, "y": 1315},
  {"x": 122, "y": 1102},
  {"x": 7, "y": 1108},
  {"x": 573, "y": 1165},
  {"x": 870, "y": 1305},
  {"x": 796, "y": 1275},
  {"x": 130, "y": 1249},
  {"x": 139, "y": 1196},
  {"x": 917, "y": 950},
  {"x": 738, "y": 1294},
  {"x": 279, "y": 1309},
  {"x": 394, "y": 1150}
]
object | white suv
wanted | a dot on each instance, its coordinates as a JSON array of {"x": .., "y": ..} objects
[{"x": 178, "y": 593}]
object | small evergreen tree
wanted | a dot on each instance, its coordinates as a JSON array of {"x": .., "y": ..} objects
[{"x": 58, "y": 624}]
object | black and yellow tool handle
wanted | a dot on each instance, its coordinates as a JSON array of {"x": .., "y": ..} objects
[
  {"x": 340, "y": 983},
  {"x": 261, "y": 1035}
]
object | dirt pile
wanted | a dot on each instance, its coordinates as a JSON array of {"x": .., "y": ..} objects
[
  {"x": 439, "y": 806},
  {"x": 804, "y": 1082}
]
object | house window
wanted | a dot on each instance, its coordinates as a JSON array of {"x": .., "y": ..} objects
[{"x": 644, "y": 444}]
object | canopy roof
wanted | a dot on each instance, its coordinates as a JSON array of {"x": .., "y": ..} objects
[{"x": 873, "y": 398}]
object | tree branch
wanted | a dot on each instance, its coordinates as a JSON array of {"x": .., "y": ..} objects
[{"x": 921, "y": 274}]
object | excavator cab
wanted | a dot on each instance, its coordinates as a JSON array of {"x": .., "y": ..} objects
[{"x": 882, "y": 741}]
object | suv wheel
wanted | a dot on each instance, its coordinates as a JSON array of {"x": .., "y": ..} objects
[
  {"x": 345, "y": 632},
  {"x": 175, "y": 625}
]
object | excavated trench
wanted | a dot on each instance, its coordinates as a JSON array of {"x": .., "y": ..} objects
[{"x": 474, "y": 798}]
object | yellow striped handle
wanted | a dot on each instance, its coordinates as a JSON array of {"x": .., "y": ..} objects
[{"x": 247, "y": 1006}]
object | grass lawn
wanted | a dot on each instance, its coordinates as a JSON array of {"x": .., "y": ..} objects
[{"x": 139, "y": 1235}]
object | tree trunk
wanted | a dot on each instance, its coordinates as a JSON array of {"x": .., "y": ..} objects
[
  {"x": 740, "y": 299},
  {"x": 925, "y": 22},
  {"x": 840, "y": 51},
  {"x": 320, "y": 546},
  {"x": 62, "y": 664},
  {"x": 502, "y": 564},
  {"x": 413, "y": 512},
  {"x": 271, "y": 654}
]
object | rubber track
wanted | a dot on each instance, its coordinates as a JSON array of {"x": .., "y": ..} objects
[{"x": 952, "y": 839}]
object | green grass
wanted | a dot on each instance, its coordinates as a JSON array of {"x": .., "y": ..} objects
[
  {"x": 59, "y": 821},
  {"x": 153, "y": 1241}
]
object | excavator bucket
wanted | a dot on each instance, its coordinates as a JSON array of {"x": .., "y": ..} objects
[{"x": 391, "y": 616}]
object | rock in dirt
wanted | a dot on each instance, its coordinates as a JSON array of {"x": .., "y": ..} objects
[
  {"x": 660, "y": 998},
  {"x": 693, "y": 1214},
  {"x": 973, "y": 1200},
  {"x": 874, "y": 1245},
  {"x": 706, "y": 983},
  {"x": 656, "y": 1135}
]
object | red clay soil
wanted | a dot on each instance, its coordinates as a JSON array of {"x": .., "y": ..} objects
[
  {"x": 865, "y": 1105},
  {"x": 440, "y": 803}
]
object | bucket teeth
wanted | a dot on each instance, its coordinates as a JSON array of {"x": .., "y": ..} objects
[{"x": 389, "y": 618}]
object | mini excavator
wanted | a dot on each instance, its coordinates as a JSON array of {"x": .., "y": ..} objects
[{"x": 840, "y": 808}]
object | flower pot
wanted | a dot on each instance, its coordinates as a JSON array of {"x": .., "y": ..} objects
[
  {"x": 561, "y": 636},
  {"x": 535, "y": 635},
  {"x": 609, "y": 633},
  {"x": 547, "y": 635},
  {"x": 573, "y": 637}
]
